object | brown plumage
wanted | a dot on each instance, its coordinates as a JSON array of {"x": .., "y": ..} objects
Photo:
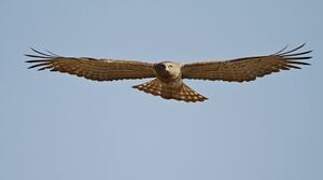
[
  {"x": 169, "y": 75},
  {"x": 183, "y": 92}
]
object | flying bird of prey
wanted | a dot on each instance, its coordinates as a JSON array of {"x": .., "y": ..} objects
[{"x": 168, "y": 76}]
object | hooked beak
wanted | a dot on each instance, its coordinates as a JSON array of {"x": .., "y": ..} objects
[{"x": 160, "y": 67}]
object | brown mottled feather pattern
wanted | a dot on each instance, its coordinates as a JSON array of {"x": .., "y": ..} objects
[
  {"x": 246, "y": 69},
  {"x": 93, "y": 69},
  {"x": 183, "y": 93}
]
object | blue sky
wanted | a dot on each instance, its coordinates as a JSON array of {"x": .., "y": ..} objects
[{"x": 54, "y": 126}]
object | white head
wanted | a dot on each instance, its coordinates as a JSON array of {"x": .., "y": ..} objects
[{"x": 168, "y": 70}]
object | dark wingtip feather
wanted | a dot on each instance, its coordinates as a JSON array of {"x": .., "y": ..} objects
[
  {"x": 283, "y": 49},
  {"x": 30, "y": 67},
  {"x": 36, "y": 56},
  {"x": 51, "y": 53},
  {"x": 292, "y": 66},
  {"x": 298, "y": 54},
  {"x": 41, "y": 62},
  {"x": 43, "y": 68},
  {"x": 298, "y": 62},
  {"x": 42, "y": 55},
  {"x": 43, "y": 59},
  {"x": 293, "y": 56},
  {"x": 283, "y": 52},
  {"x": 299, "y": 58},
  {"x": 36, "y": 61}
]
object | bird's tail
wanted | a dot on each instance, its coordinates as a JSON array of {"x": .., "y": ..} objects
[{"x": 183, "y": 93}]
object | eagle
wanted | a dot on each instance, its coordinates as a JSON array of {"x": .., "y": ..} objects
[{"x": 169, "y": 75}]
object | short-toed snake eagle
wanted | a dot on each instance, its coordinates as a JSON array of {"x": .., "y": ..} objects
[{"x": 168, "y": 75}]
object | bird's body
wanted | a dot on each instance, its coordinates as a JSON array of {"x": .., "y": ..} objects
[{"x": 168, "y": 82}]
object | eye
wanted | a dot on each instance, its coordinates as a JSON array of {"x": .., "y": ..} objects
[{"x": 170, "y": 66}]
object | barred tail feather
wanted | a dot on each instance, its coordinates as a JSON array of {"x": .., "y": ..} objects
[
  {"x": 182, "y": 93},
  {"x": 153, "y": 87}
]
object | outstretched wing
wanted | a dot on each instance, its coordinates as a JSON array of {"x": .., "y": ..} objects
[
  {"x": 247, "y": 69},
  {"x": 90, "y": 68}
]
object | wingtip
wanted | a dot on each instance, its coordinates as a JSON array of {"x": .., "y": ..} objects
[
  {"x": 303, "y": 44},
  {"x": 39, "y": 54},
  {"x": 281, "y": 50},
  {"x": 35, "y": 50}
]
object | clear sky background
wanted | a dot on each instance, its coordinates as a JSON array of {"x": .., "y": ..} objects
[{"x": 59, "y": 127}]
